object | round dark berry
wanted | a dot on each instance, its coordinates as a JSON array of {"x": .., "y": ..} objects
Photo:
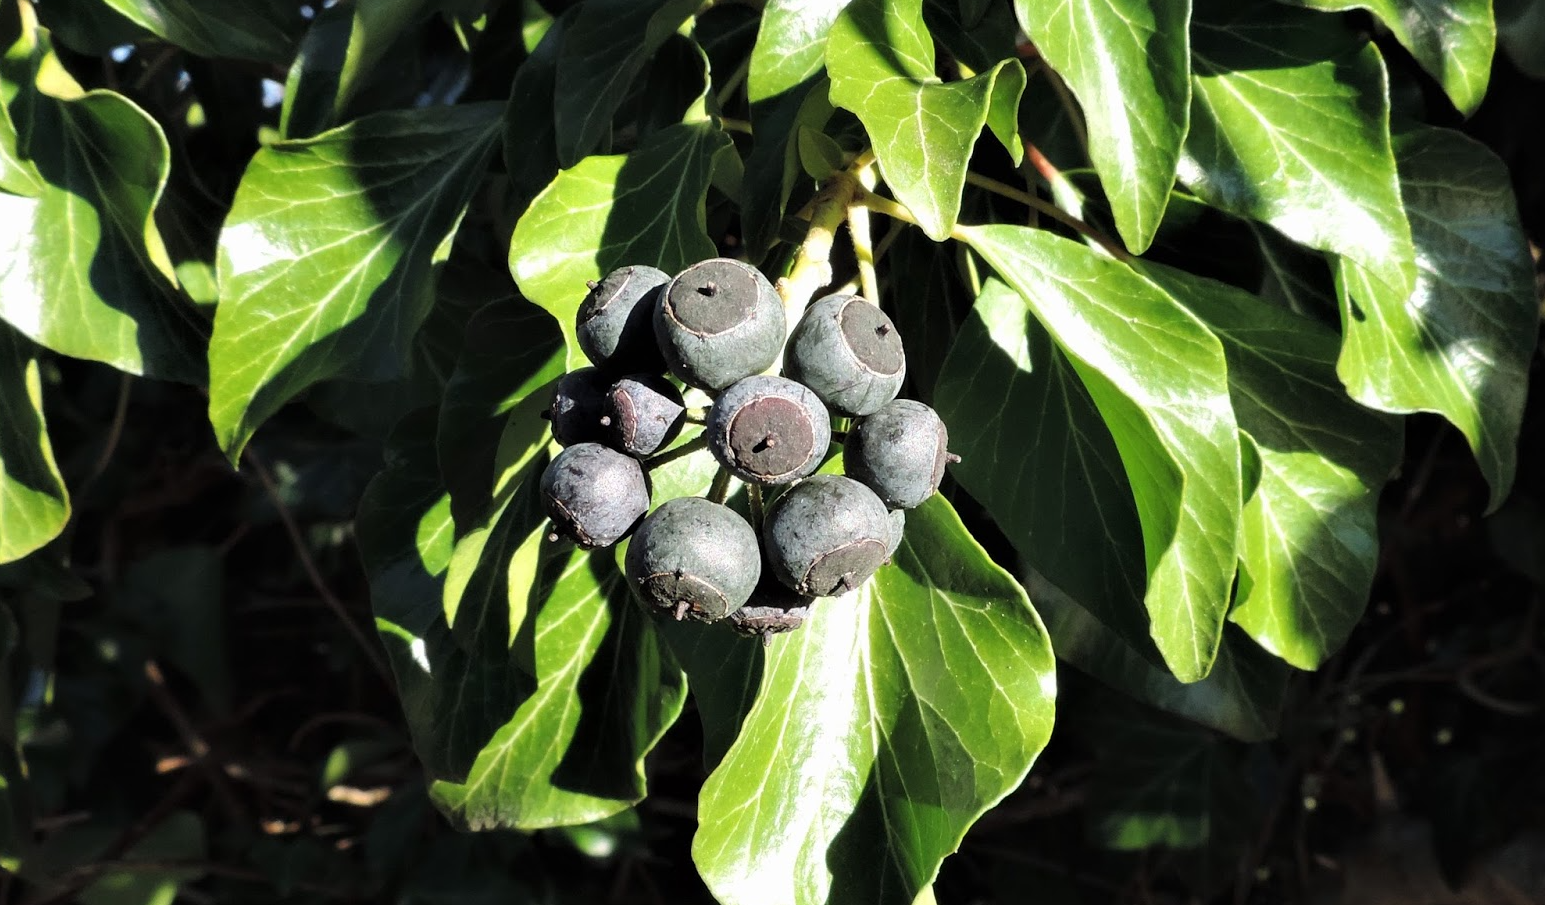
[
  {"x": 642, "y": 413},
  {"x": 772, "y": 610},
  {"x": 768, "y": 430},
  {"x": 899, "y": 451},
  {"x": 577, "y": 406},
  {"x": 849, "y": 352},
  {"x": 594, "y": 495},
  {"x": 615, "y": 324},
  {"x": 826, "y": 535},
  {"x": 719, "y": 321},
  {"x": 692, "y": 557}
]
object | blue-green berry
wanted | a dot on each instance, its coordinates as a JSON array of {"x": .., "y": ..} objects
[
  {"x": 615, "y": 322},
  {"x": 719, "y": 321},
  {"x": 768, "y": 430},
  {"x": 594, "y": 495},
  {"x": 849, "y": 352},
  {"x": 899, "y": 452},
  {"x": 826, "y": 535},
  {"x": 694, "y": 558}
]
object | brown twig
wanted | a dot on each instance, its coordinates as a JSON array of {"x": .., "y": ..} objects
[{"x": 310, "y": 567}]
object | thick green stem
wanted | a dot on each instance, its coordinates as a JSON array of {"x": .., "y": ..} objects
[
  {"x": 863, "y": 243},
  {"x": 812, "y": 266},
  {"x": 719, "y": 491}
]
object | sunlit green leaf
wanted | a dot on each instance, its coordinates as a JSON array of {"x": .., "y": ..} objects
[
  {"x": 325, "y": 259},
  {"x": 883, "y": 729},
  {"x": 1158, "y": 377},
  {"x": 34, "y": 504},
  {"x": 1460, "y": 344},
  {"x": 790, "y": 45},
  {"x": 263, "y": 30},
  {"x": 1290, "y": 126},
  {"x": 1452, "y": 39},
  {"x": 1050, "y": 477},
  {"x": 572, "y": 685},
  {"x": 1309, "y": 536},
  {"x": 341, "y": 49},
  {"x": 83, "y": 269},
  {"x": 1128, "y": 63},
  {"x": 881, "y": 61},
  {"x": 639, "y": 208}
]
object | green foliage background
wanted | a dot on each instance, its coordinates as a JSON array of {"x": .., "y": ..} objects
[{"x": 1174, "y": 273}]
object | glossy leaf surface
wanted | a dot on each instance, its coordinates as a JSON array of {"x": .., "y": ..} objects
[
  {"x": 639, "y": 208},
  {"x": 1460, "y": 344},
  {"x": 1158, "y": 377},
  {"x": 83, "y": 269},
  {"x": 1128, "y": 63},
  {"x": 1309, "y": 536},
  {"x": 34, "y": 504},
  {"x": 1452, "y": 39},
  {"x": 881, "y": 61},
  {"x": 882, "y": 729},
  {"x": 326, "y": 259},
  {"x": 1290, "y": 126}
]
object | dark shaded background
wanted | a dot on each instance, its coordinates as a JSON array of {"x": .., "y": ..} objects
[{"x": 206, "y": 665}]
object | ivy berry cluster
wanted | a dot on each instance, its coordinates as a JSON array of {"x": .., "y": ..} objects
[{"x": 719, "y": 326}]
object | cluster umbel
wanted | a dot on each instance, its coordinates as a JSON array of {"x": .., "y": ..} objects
[{"x": 720, "y": 326}]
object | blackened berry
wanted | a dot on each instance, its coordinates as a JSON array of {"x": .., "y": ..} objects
[
  {"x": 642, "y": 413},
  {"x": 594, "y": 495}
]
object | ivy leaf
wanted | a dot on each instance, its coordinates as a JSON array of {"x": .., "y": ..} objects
[
  {"x": 606, "y": 691},
  {"x": 574, "y": 693},
  {"x": 263, "y": 30},
  {"x": 339, "y": 52},
  {"x": 605, "y": 47},
  {"x": 1460, "y": 344},
  {"x": 1159, "y": 379},
  {"x": 1452, "y": 39},
  {"x": 1309, "y": 536},
  {"x": 928, "y": 298},
  {"x": 83, "y": 269},
  {"x": 772, "y": 168},
  {"x": 34, "y": 505},
  {"x": 641, "y": 208},
  {"x": 530, "y": 130},
  {"x": 1242, "y": 695},
  {"x": 1128, "y": 63},
  {"x": 790, "y": 46},
  {"x": 788, "y": 92},
  {"x": 846, "y": 784},
  {"x": 881, "y": 61},
  {"x": 325, "y": 261},
  {"x": 1290, "y": 126},
  {"x": 1057, "y": 489},
  {"x": 491, "y": 417}
]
